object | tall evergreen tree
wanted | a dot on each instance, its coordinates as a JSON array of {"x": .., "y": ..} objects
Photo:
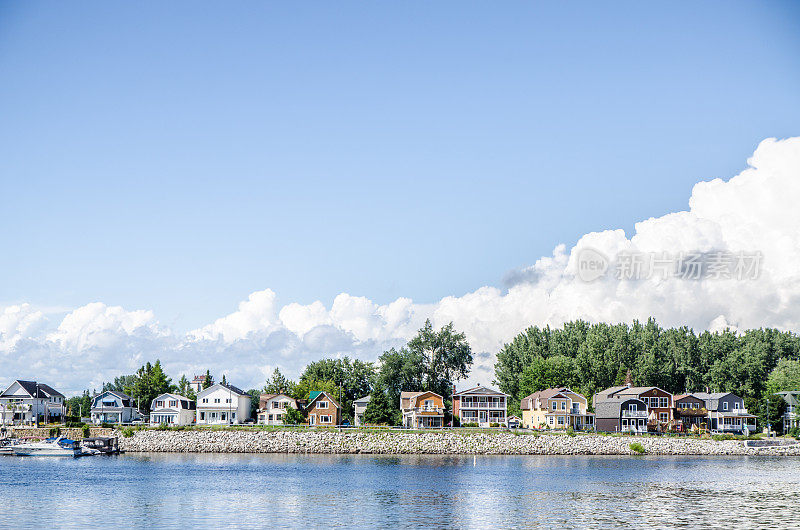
[{"x": 379, "y": 410}]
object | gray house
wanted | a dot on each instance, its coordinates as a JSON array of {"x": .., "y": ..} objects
[
  {"x": 726, "y": 412},
  {"x": 114, "y": 407},
  {"x": 621, "y": 415},
  {"x": 791, "y": 418},
  {"x": 360, "y": 405}
]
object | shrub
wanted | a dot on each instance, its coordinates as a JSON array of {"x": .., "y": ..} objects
[
  {"x": 162, "y": 427},
  {"x": 636, "y": 447},
  {"x": 74, "y": 424},
  {"x": 470, "y": 424},
  {"x": 570, "y": 431},
  {"x": 127, "y": 432},
  {"x": 86, "y": 431},
  {"x": 494, "y": 425}
]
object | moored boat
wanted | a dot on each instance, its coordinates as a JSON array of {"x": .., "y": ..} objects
[{"x": 51, "y": 447}]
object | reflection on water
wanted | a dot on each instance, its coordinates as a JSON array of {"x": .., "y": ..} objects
[{"x": 280, "y": 490}]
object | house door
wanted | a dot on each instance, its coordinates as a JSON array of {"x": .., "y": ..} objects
[{"x": 482, "y": 416}]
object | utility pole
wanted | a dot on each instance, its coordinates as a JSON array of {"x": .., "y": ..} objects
[{"x": 37, "y": 404}]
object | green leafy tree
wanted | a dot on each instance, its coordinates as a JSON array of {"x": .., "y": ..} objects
[
  {"x": 120, "y": 383},
  {"x": 293, "y": 416},
  {"x": 279, "y": 384},
  {"x": 446, "y": 356},
  {"x": 353, "y": 379},
  {"x": 785, "y": 376},
  {"x": 185, "y": 388},
  {"x": 305, "y": 387},
  {"x": 255, "y": 401},
  {"x": 401, "y": 370},
  {"x": 151, "y": 381},
  {"x": 548, "y": 372},
  {"x": 379, "y": 410}
]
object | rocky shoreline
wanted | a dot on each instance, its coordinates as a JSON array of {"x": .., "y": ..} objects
[{"x": 440, "y": 442}]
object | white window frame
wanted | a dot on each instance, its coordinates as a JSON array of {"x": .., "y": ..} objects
[{"x": 322, "y": 404}]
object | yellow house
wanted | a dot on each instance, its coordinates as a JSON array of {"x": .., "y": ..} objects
[{"x": 556, "y": 408}]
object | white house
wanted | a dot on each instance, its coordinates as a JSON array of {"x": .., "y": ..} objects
[
  {"x": 481, "y": 405},
  {"x": 172, "y": 409},
  {"x": 112, "y": 406},
  {"x": 23, "y": 401},
  {"x": 272, "y": 407},
  {"x": 222, "y": 404}
]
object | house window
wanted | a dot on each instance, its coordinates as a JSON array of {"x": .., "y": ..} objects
[
  {"x": 279, "y": 417},
  {"x": 736, "y": 406},
  {"x": 227, "y": 400},
  {"x": 663, "y": 402},
  {"x": 563, "y": 405},
  {"x": 428, "y": 403},
  {"x": 663, "y": 416},
  {"x": 205, "y": 400},
  {"x": 725, "y": 406},
  {"x": 561, "y": 420},
  {"x": 624, "y": 422},
  {"x": 695, "y": 405},
  {"x": 202, "y": 415},
  {"x": 324, "y": 419},
  {"x": 216, "y": 400},
  {"x": 322, "y": 405},
  {"x": 269, "y": 418},
  {"x": 550, "y": 420},
  {"x": 632, "y": 407},
  {"x": 222, "y": 416},
  {"x": 159, "y": 404},
  {"x": 173, "y": 403},
  {"x": 554, "y": 405},
  {"x": 276, "y": 405}
]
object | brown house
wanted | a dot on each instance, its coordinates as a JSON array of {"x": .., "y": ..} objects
[
  {"x": 690, "y": 412},
  {"x": 422, "y": 410},
  {"x": 323, "y": 410}
]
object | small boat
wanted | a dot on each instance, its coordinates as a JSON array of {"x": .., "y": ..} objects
[{"x": 51, "y": 447}]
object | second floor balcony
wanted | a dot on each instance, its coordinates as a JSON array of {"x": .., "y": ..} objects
[
  {"x": 634, "y": 413},
  {"x": 427, "y": 410},
  {"x": 482, "y": 405}
]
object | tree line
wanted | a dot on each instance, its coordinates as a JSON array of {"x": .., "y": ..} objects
[
  {"x": 432, "y": 360},
  {"x": 590, "y": 357}
]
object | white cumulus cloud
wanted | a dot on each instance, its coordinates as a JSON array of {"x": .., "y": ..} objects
[{"x": 754, "y": 211}]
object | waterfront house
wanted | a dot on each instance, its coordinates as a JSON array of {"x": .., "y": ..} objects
[
  {"x": 272, "y": 407},
  {"x": 690, "y": 412},
  {"x": 422, "y": 410},
  {"x": 626, "y": 415},
  {"x": 197, "y": 383},
  {"x": 791, "y": 417},
  {"x": 482, "y": 405},
  {"x": 172, "y": 409},
  {"x": 23, "y": 401},
  {"x": 359, "y": 407},
  {"x": 556, "y": 408},
  {"x": 112, "y": 406},
  {"x": 222, "y": 404},
  {"x": 658, "y": 402},
  {"x": 727, "y": 413},
  {"x": 323, "y": 410},
  {"x": 514, "y": 422}
]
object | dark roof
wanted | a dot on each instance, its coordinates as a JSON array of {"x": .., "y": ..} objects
[
  {"x": 481, "y": 390},
  {"x": 50, "y": 390},
  {"x": 45, "y": 391},
  {"x": 611, "y": 408},
  {"x": 232, "y": 388}
]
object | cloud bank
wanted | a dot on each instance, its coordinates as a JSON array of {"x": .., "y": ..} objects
[{"x": 754, "y": 211}]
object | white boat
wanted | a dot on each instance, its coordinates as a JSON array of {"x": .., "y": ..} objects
[{"x": 53, "y": 447}]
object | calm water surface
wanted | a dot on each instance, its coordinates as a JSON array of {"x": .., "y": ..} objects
[{"x": 316, "y": 491}]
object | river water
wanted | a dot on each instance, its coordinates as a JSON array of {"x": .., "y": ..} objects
[{"x": 320, "y": 491}]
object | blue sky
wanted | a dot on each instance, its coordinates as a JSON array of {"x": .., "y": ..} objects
[{"x": 179, "y": 156}]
